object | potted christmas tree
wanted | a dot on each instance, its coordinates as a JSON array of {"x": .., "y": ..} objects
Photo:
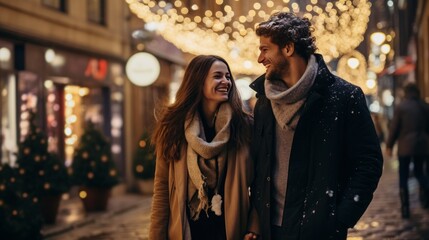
[
  {"x": 93, "y": 169},
  {"x": 43, "y": 173},
  {"x": 20, "y": 217},
  {"x": 144, "y": 164}
]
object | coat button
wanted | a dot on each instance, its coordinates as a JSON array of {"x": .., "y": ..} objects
[
  {"x": 268, "y": 179},
  {"x": 267, "y": 205}
]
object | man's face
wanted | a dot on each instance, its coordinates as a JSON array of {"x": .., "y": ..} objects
[{"x": 276, "y": 64}]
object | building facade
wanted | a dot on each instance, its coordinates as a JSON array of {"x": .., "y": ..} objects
[
  {"x": 66, "y": 60},
  {"x": 63, "y": 60},
  {"x": 422, "y": 42}
]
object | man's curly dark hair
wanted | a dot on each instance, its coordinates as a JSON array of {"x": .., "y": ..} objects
[{"x": 284, "y": 28}]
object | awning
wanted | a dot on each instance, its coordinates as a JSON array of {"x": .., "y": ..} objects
[{"x": 407, "y": 65}]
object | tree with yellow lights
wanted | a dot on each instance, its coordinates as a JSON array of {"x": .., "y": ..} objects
[
  {"x": 144, "y": 160},
  {"x": 43, "y": 172},
  {"x": 20, "y": 218},
  {"x": 93, "y": 165}
]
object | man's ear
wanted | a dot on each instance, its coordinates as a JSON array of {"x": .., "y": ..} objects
[{"x": 288, "y": 50}]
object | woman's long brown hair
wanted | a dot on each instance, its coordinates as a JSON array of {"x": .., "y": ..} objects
[{"x": 169, "y": 135}]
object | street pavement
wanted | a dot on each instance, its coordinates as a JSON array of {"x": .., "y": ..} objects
[{"x": 382, "y": 220}]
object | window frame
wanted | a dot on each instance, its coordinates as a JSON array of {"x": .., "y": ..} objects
[
  {"x": 101, "y": 12},
  {"x": 62, "y": 5}
]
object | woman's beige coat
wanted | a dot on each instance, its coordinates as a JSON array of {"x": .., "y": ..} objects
[{"x": 168, "y": 217}]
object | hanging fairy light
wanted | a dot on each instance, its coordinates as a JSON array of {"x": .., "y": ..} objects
[
  {"x": 226, "y": 27},
  {"x": 353, "y": 68}
]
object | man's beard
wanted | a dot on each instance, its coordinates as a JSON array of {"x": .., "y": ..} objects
[
  {"x": 273, "y": 76},
  {"x": 277, "y": 69}
]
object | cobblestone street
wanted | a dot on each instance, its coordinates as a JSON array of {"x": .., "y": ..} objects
[{"x": 382, "y": 220}]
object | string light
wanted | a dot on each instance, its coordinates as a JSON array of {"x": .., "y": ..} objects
[
  {"x": 353, "y": 68},
  {"x": 226, "y": 28},
  {"x": 72, "y": 129}
]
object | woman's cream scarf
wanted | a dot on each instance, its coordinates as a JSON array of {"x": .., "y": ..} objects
[{"x": 199, "y": 150}]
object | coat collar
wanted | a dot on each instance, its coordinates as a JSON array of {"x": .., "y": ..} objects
[{"x": 323, "y": 79}]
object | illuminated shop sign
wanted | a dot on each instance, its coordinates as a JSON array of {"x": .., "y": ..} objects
[
  {"x": 96, "y": 68},
  {"x": 142, "y": 69}
]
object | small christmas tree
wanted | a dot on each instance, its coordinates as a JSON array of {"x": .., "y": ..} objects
[
  {"x": 20, "y": 217},
  {"x": 93, "y": 165},
  {"x": 144, "y": 159},
  {"x": 43, "y": 173}
]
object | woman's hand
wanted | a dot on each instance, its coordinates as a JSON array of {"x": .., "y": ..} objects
[{"x": 250, "y": 236}]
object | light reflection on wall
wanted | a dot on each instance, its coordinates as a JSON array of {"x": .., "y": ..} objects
[
  {"x": 73, "y": 123},
  {"x": 117, "y": 122},
  {"x": 52, "y": 112},
  {"x": 28, "y": 103}
]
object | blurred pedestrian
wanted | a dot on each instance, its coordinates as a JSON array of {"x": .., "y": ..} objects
[
  {"x": 316, "y": 152},
  {"x": 203, "y": 168},
  {"x": 410, "y": 129}
]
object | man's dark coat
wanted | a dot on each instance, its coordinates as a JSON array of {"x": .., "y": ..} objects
[{"x": 335, "y": 162}]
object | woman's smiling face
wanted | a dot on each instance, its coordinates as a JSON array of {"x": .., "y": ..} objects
[{"x": 217, "y": 84}]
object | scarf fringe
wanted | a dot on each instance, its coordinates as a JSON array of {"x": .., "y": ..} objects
[
  {"x": 198, "y": 147},
  {"x": 204, "y": 202}
]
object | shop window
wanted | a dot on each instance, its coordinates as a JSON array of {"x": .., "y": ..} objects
[
  {"x": 54, "y": 118},
  {"x": 60, "y": 5},
  {"x": 96, "y": 11},
  {"x": 28, "y": 99},
  {"x": 8, "y": 119},
  {"x": 81, "y": 105}
]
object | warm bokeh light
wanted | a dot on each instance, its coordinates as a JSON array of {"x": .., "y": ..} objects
[
  {"x": 5, "y": 54},
  {"x": 83, "y": 194},
  {"x": 353, "y": 68},
  {"x": 371, "y": 83},
  {"x": 378, "y": 38},
  {"x": 243, "y": 88},
  {"x": 353, "y": 62},
  {"x": 385, "y": 48},
  {"x": 139, "y": 168},
  {"x": 228, "y": 31}
]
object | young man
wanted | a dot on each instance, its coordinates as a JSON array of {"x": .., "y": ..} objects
[{"x": 317, "y": 156}]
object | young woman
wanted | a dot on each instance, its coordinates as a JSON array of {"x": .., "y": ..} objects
[{"x": 203, "y": 166}]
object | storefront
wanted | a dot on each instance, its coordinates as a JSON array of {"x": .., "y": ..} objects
[
  {"x": 66, "y": 89},
  {"x": 8, "y": 103}
]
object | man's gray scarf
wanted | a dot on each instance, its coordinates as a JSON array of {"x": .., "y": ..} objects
[{"x": 286, "y": 102}]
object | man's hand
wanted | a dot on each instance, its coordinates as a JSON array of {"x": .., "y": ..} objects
[{"x": 250, "y": 236}]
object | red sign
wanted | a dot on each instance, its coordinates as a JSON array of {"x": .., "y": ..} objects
[{"x": 97, "y": 69}]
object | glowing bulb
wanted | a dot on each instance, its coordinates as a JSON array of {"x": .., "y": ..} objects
[
  {"x": 353, "y": 62},
  {"x": 378, "y": 38},
  {"x": 83, "y": 194},
  {"x": 49, "y": 55},
  {"x": 370, "y": 83},
  {"x": 385, "y": 48},
  {"x": 4, "y": 54},
  {"x": 48, "y": 84}
]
